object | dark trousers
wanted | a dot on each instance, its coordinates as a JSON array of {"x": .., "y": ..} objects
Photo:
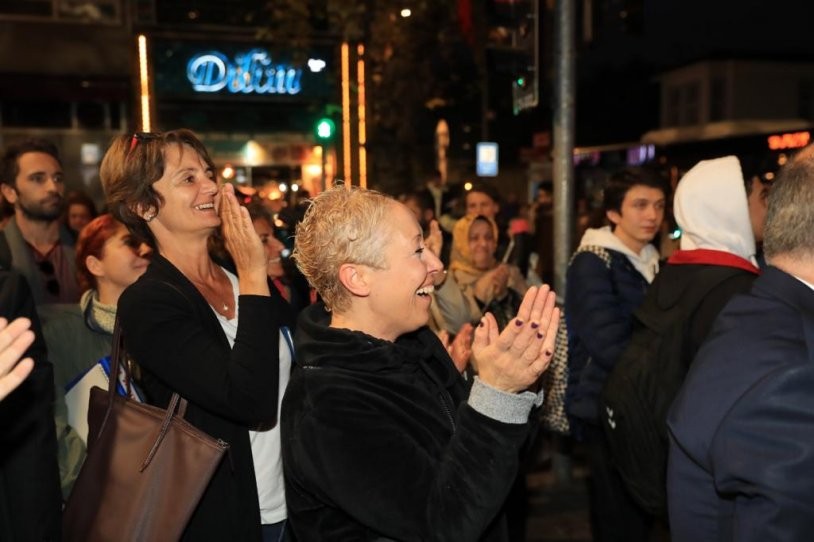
[{"x": 614, "y": 514}]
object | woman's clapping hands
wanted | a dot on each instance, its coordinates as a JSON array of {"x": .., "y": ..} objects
[{"x": 513, "y": 360}]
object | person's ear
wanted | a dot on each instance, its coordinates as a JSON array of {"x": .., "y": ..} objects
[
  {"x": 9, "y": 193},
  {"x": 614, "y": 216},
  {"x": 355, "y": 278},
  {"x": 147, "y": 213},
  {"x": 94, "y": 265}
]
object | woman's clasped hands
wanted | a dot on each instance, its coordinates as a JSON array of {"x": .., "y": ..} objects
[{"x": 242, "y": 242}]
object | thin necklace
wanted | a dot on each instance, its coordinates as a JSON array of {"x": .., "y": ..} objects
[{"x": 214, "y": 295}]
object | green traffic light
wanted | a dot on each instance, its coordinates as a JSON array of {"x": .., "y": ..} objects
[
  {"x": 521, "y": 81},
  {"x": 325, "y": 129}
]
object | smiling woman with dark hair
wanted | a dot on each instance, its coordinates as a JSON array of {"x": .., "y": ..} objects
[
  {"x": 382, "y": 437},
  {"x": 201, "y": 329}
]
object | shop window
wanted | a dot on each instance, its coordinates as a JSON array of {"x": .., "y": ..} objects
[
  {"x": 27, "y": 8},
  {"x": 674, "y": 106},
  {"x": 805, "y": 97},
  {"x": 35, "y": 114},
  {"x": 717, "y": 99},
  {"x": 82, "y": 11},
  {"x": 90, "y": 115},
  {"x": 115, "y": 115},
  {"x": 692, "y": 104}
]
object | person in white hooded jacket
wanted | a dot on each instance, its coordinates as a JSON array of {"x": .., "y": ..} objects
[
  {"x": 721, "y": 211},
  {"x": 606, "y": 281}
]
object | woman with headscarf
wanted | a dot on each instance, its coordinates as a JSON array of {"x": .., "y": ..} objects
[{"x": 485, "y": 283}]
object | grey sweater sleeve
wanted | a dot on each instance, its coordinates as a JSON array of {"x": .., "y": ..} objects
[{"x": 502, "y": 406}]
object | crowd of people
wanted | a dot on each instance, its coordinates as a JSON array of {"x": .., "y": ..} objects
[{"x": 388, "y": 386}]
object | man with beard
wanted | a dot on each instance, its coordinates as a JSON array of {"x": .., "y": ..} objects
[{"x": 38, "y": 246}]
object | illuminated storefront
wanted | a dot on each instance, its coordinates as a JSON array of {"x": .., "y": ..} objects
[{"x": 254, "y": 106}]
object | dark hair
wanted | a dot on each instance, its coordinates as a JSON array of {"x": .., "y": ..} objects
[
  {"x": 422, "y": 198},
  {"x": 10, "y": 166},
  {"x": 622, "y": 181},
  {"x": 258, "y": 211},
  {"x": 485, "y": 188},
  {"x": 91, "y": 242},
  {"x": 754, "y": 169},
  {"x": 546, "y": 186},
  {"x": 130, "y": 167},
  {"x": 77, "y": 197}
]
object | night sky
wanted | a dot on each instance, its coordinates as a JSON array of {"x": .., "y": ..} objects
[{"x": 618, "y": 96}]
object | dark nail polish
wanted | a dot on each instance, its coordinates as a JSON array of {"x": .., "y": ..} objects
[
  {"x": 548, "y": 352},
  {"x": 518, "y": 322},
  {"x": 534, "y": 325},
  {"x": 540, "y": 336},
  {"x": 480, "y": 324}
]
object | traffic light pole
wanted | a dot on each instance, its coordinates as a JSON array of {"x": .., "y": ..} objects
[
  {"x": 324, "y": 153},
  {"x": 324, "y": 131},
  {"x": 564, "y": 127}
]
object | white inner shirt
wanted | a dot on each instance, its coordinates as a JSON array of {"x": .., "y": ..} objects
[{"x": 266, "y": 452}]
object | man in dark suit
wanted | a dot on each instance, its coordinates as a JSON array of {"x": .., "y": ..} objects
[{"x": 742, "y": 428}]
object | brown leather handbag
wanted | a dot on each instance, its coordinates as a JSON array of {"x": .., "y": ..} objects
[{"x": 146, "y": 469}]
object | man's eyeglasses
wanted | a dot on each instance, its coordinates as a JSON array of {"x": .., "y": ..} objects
[
  {"x": 140, "y": 137},
  {"x": 47, "y": 269}
]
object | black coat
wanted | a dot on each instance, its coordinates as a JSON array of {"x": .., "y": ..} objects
[
  {"x": 30, "y": 498},
  {"x": 378, "y": 441},
  {"x": 174, "y": 336}
]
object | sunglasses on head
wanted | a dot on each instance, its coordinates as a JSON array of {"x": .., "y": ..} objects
[
  {"x": 140, "y": 137},
  {"x": 47, "y": 269}
]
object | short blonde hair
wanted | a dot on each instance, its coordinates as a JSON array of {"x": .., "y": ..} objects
[{"x": 341, "y": 226}]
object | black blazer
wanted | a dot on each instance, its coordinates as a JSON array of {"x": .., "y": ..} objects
[{"x": 172, "y": 333}]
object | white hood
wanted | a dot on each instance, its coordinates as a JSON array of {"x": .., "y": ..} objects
[
  {"x": 712, "y": 210},
  {"x": 646, "y": 262}
]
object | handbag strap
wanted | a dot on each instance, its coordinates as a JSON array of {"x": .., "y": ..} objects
[{"x": 117, "y": 360}]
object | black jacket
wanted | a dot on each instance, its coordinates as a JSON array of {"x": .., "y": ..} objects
[
  {"x": 378, "y": 441},
  {"x": 174, "y": 336},
  {"x": 675, "y": 279},
  {"x": 599, "y": 302},
  {"x": 30, "y": 499}
]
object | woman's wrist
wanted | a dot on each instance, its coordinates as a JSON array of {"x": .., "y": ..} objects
[{"x": 253, "y": 284}]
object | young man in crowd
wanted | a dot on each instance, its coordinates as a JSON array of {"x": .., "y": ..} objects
[
  {"x": 606, "y": 280},
  {"x": 37, "y": 244}
]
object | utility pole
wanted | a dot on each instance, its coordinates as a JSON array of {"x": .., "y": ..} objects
[{"x": 564, "y": 126}]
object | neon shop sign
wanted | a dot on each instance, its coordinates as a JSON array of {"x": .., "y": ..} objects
[{"x": 252, "y": 72}]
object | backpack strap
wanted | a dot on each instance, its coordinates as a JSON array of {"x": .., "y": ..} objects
[{"x": 597, "y": 250}]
